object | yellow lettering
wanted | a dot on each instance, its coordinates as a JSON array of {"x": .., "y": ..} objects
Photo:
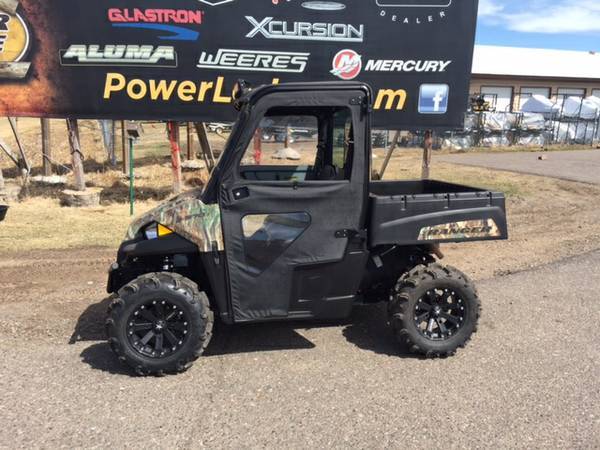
[
  {"x": 142, "y": 89},
  {"x": 205, "y": 86},
  {"x": 390, "y": 96},
  {"x": 186, "y": 91},
  {"x": 218, "y": 98},
  {"x": 115, "y": 82},
  {"x": 162, "y": 89}
]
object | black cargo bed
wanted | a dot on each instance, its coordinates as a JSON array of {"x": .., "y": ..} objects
[{"x": 429, "y": 211}]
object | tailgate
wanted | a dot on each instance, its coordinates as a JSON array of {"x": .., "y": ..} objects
[{"x": 434, "y": 218}]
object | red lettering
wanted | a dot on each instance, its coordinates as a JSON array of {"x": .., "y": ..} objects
[
  {"x": 115, "y": 15},
  {"x": 154, "y": 15}
]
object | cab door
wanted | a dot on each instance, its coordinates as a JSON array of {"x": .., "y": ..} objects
[{"x": 293, "y": 209}]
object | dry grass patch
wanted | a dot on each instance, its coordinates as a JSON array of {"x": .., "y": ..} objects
[{"x": 42, "y": 224}]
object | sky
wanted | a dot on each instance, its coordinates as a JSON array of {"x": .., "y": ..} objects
[{"x": 554, "y": 24}]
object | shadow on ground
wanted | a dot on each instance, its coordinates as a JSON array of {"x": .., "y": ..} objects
[{"x": 366, "y": 329}]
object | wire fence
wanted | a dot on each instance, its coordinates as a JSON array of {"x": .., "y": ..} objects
[{"x": 570, "y": 121}]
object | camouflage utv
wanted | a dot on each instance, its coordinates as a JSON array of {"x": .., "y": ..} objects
[{"x": 271, "y": 239}]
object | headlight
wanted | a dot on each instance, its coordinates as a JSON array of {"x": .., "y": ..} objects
[{"x": 156, "y": 230}]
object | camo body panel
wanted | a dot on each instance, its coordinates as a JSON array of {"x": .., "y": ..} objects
[
  {"x": 470, "y": 229},
  {"x": 190, "y": 218}
]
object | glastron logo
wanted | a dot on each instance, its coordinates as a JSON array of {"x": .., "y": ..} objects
[
  {"x": 415, "y": 12},
  {"x": 159, "y": 20},
  {"x": 14, "y": 45},
  {"x": 119, "y": 55},
  {"x": 306, "y": 31},
  {"x": 255, "y": 61},
  {"x": 346, "y": 65}
]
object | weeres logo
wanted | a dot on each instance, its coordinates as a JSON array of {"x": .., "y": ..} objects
[{"x": 254, "y": 61}]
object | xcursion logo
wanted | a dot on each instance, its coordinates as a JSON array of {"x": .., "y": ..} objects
[
  {"x": 306, "y": 31},
  {"x": 165, "y": 20}
]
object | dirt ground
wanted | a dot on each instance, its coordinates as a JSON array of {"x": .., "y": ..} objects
[{"x": 300, "y": 385}]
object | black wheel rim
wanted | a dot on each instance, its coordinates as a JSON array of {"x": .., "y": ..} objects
[
  {"x": 158, "y": 328},
  {"x": 440, "y": 314}
]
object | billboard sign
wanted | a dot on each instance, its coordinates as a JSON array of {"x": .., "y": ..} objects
[{"x": 179, "y": 60}]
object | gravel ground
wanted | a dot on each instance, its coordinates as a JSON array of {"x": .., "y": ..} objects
[
  {"x": 530, "y": 378},
  {"x": 580, "y": 165}
]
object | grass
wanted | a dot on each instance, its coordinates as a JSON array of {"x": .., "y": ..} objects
[{"x": 41, "y": 224}]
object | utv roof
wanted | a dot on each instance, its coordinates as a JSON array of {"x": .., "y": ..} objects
[{"x": 251, "y": 95}]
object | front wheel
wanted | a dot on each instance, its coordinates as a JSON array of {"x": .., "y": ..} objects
[
  {"x": 159, "y": 323},
  {"x": 434, "y": 310}
]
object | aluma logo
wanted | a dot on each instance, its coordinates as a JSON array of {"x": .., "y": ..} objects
[
  {"x": 306, "y": 31},
  {"x": 255, "y": 61},
  {"x": 433, "y": 98},
  {"x": 346, "y": 65},
  {"x": 118, "y": 55}
]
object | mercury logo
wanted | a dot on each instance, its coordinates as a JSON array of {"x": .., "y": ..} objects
[{"x": 347, "y": 64}]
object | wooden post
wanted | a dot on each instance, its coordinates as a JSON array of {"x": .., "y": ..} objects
[
  {"x": 6, "y": 149},
  {"x": 113, "y": 143},
  {"x": 175, "y": 156},
  {"x": 207, "y": 153},
  {"x": 286, "y": 144},
  {"x": 427, "y": 145},
  {"x": 190, "y": 142},
  {"x": 13, "y": 125},
  {"x": 389, "y": 154},
  {"x": 124, "y": 148},
  {"x": 258, "y": 146},
  {"x": 76, "y": 155},
  {"x": 46, "y": 147}
]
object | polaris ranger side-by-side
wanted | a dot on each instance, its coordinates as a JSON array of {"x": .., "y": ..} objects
[{"x": 266, "y": 240}]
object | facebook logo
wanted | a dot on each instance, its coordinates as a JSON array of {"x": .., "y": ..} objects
[{"x": 433, "y": 98}]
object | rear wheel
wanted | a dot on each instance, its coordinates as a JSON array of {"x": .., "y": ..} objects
[
  {"x": 434, "y": 310},
  {"x": 159, "y": 323}
]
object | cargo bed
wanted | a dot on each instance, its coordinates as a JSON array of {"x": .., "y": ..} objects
[{"x": 428, "y": 211}]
